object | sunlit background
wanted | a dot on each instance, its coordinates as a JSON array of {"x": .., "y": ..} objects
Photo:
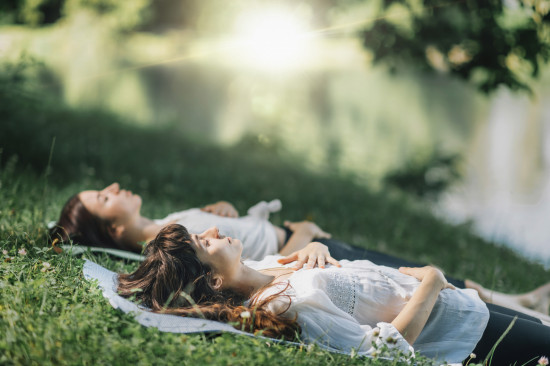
[{"x": 295, "y": 77}]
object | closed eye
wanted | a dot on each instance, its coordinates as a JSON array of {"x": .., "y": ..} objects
[{"x": 102, "y": 198}]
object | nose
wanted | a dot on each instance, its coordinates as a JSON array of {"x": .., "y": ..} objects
[
  {"x": 114, "y": 188},
  {"x": 212, "y": 232}
]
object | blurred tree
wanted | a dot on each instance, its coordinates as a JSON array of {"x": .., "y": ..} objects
[
  {"x": 489, "y": 42},
  {"x": 168, "y": 14},
  {"x": 428, "y": 177},
  {"x": 121, "y": 15},
  {"x": 30, "y": 12}
]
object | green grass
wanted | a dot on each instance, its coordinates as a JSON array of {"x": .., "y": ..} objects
[{"x": 55, "y": 317}]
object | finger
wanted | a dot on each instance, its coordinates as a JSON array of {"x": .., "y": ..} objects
[
  {"x": 299, "y": 264},
  {"x": 311, "y": 262},
  {"x": 207, "y": 208},
  {"x": 450, "y": 286},
  {"x": 321, "y": 261},
  {"x": 288, "y": 258},
  {"x": 334, "y": 262}
]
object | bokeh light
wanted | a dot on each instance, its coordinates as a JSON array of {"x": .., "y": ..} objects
[{"x": 271, "y": 38}]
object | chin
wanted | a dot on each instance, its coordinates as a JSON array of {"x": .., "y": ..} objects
[{"x": 239, "y": 244}]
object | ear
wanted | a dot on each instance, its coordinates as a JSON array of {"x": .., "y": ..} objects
[
  {"x": 116, "y": 231},
  {"x": 216, "y": 282}
]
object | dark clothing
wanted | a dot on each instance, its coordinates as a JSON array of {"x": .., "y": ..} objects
[
  {"x": 340, "y": 250},
  {"x": 527, "y": 340}
]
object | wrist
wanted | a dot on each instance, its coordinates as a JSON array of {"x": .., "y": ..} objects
[{"x": 435, "y": 278}]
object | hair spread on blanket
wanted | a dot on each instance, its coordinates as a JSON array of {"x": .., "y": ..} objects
[{"x": 171, "y": 267}]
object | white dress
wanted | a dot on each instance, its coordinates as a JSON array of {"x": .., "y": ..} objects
[
  {"x": 254, "y": 230},
  {"x": 353, "y": 306}
]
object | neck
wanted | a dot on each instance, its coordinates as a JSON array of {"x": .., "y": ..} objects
[
  {"x": 248, "y": 281},
  {"x": 148, "y": 228},
  {"x": 140, "y": 229}
]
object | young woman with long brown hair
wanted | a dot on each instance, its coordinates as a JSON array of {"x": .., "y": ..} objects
[
  {"x": 353, "y": 304},
  {"x": 112, "y": 218}
]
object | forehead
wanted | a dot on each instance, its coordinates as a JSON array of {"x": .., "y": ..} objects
[
  {"x": 88, "y": 198},
  {"x": 87, "y": 195}
]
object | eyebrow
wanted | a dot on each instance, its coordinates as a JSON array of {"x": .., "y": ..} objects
[{"x": 195, "y": 239}]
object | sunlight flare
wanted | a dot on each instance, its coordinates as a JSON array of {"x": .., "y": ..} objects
[{"x": 273, "y": 39}]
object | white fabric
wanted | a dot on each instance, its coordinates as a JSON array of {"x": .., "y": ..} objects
[
  {"x": 352, "y": 306},
  {"x": 262, "y": 209},
  {"x": 79, "y": 249},
  {"x": 107, "y": 282},
  {"x": 255, "y": 231}
]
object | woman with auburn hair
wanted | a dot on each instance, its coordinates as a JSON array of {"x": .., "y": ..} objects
[
  {"x": 349, "y": 305},
  {"x": 112, "y": 218}
]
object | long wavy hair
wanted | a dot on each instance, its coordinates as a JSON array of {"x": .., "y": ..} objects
[
  {"x": 173, "y": 280},
  {"x": 77, "y": 224}
]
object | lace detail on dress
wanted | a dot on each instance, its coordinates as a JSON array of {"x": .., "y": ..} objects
[{"x": 341, "y": 289}]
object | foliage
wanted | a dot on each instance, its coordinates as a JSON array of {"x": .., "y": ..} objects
[
  {"x": 50, "y": 315},
  {"x": 427, "y": 178},
  {"x": 30, "y": 12},
  {"x": 491, "y": 43},
  {"x": 121, "y": 15}
]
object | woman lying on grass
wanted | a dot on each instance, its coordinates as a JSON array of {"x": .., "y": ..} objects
[
  {"x": 111, "y": 218},
  {"x": 348, "y": 305}
]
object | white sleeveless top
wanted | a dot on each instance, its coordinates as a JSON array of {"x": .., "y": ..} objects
[
  {"x": 353, "y": 306},
  {"x": 254, "y": 230}
]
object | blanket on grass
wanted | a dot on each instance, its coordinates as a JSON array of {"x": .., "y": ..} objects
[{"x": 107, "y": 282}]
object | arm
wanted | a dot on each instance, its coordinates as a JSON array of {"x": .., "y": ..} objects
[
  {"x": 221, "y": 208},
  {"x": 412, "y": 319},
  {"x": 303, "y": 233}
]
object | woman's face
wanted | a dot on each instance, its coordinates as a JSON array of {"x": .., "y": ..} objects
[
  {"x": 112, "y": 203},
  {"x": 220, "y": 252}
]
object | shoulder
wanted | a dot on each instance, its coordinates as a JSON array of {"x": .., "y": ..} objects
[{"x": 279, "y": 297}]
